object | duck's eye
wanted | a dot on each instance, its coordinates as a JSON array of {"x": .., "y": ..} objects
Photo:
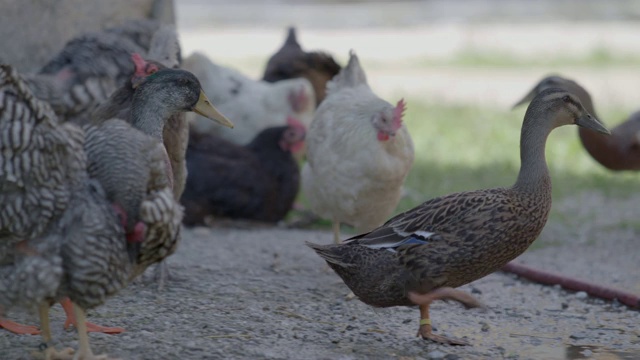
[{"x": 566, "y": 98}]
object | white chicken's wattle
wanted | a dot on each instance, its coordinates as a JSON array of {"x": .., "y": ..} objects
[{"x": 359, "y": 153}]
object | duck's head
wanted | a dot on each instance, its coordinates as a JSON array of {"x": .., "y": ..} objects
[
  {"x": 562, "y": 108},
  {"x": 555, "y": 81},
  {"x": 177, "y": 90}
]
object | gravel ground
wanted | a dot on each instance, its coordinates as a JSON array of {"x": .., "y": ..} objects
[{"x": 259, "y": 293}]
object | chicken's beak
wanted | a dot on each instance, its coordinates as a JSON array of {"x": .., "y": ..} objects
[{"x": 203, "y": 107}]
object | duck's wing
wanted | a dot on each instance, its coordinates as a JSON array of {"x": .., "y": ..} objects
[
  {"x": 435, "y": 220},
  {"x": 427, "y": 238}
]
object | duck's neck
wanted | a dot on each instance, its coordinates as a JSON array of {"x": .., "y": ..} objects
[
  {"x": 534, "y": 174},
  {"x": 149, "y": 116}
]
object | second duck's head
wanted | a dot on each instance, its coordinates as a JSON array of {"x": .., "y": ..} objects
[
  {"x": 172, "y": 91},
  {"x": 561, "y": 108},
  {"x": 556, "y": 81}
]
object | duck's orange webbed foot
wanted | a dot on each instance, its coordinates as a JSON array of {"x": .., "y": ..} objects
[
  {"x": 425, "y": 331},
  {"x": 19, "y": 329},
  {"x": 424, "y": 300},
  {"x": 67, "y": 305}
]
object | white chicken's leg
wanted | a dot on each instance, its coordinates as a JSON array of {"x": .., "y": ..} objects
[
  {"x": 336, "y": 231},
  {"x": 84, "y": 351},
  {"x": 50, "y": 352}
]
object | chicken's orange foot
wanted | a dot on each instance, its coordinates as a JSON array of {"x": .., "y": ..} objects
[
  {"x": 18, "y": 328},
  {"x": 425, "y": 331},
  {"x": 71, "y": 320}
]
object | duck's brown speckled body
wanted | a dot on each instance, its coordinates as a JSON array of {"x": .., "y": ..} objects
[
  {"x": 621, "y": 150},
  {"x": 422, "y": 254}
]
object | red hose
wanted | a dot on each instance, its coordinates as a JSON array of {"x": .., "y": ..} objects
[{"x": 595, "y": 290}]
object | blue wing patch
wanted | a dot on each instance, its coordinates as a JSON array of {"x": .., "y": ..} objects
[{"x": 417, "y": 238}]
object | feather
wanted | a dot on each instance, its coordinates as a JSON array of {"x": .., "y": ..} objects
[{"x": 351, "y": 75}]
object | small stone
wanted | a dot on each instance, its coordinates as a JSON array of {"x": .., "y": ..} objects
[
  {"x": 578, "y": 336},
  {"x": 564, "y": 306},
  {"x": 476, "y": 291},
  {"x": 485, "y": 327},
  {"x": 587, "y": 353},
  {"x": 436, "y": 354},
  {"x": 581, "y": 295},
  {"x": 452, "y": 357}
]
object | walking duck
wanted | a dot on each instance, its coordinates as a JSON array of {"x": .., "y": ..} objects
[
  {"x": 421, "y": 255},
  {"x": 621, "y": 150}
]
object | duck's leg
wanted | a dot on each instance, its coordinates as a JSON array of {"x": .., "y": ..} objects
[
  {"x": 84, "y": 349},
  {"x": 424, "y": 300},
  {"x": 67, "y": 305},
  {"x": 336, "y": 231},
  {"x": 50, "y": 352},
  {"x": 19, "y": 329}
]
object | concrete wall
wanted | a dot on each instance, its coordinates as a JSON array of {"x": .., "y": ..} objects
[{"x": 31, "y": 31}]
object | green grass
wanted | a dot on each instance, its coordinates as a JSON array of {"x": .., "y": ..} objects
[
  {"x": 466, "y": 147},
  {"x": 463, "y": 147}
]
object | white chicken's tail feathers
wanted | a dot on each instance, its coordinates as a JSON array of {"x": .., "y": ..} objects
[
  {"x": 165, "y": 47},
  {"x": 350, "y": 76}
]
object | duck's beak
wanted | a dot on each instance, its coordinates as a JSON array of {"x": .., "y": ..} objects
[
  {"x": 526, "y": 99},
  {"x": 203, "y": 107},
  {"x": 589, "y": 122}
]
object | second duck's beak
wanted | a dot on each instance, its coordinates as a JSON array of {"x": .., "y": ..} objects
[
  {"x": 589, "y": 122},
  {"x": 526, "y": 99},
  {"x": 203, "y": 107}
]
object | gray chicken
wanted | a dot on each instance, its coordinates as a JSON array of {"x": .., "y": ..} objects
[
  {"x": 91, "y": 67},
  {"x": 60, "y": 236},
  {"x": 88, "y": 221}
]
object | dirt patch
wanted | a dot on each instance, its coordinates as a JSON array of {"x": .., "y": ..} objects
[{"x": 262, "y": 294}]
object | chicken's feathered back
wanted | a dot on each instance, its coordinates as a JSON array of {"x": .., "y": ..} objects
[
  {"x": 258, "y": 181},
  {"x": 40, "y": 158},
  {"x": 91, "y": 67}
]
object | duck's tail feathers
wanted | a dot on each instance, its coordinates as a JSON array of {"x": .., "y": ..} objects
[{"x": 329, "y": 253}]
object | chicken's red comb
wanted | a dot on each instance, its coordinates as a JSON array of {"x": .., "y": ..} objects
[
  {"x": 295, "y": 123},
  {"x": 140, "y": 64},
  {"x": 398, "y": 113}
]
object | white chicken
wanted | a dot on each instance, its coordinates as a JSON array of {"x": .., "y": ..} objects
[
  {"x": 252, "y": 105},
  {"x": 359, "y": 153}
]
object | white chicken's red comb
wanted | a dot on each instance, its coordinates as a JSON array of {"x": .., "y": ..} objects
[{"x": 398, "y": 113}]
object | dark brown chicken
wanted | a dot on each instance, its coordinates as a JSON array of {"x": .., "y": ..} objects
[
  {"x": 292, "y": 62},
  {"x": 258, "y": 181}
]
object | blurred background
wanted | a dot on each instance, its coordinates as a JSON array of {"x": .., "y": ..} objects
[{"x": 460, "y": 65}]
